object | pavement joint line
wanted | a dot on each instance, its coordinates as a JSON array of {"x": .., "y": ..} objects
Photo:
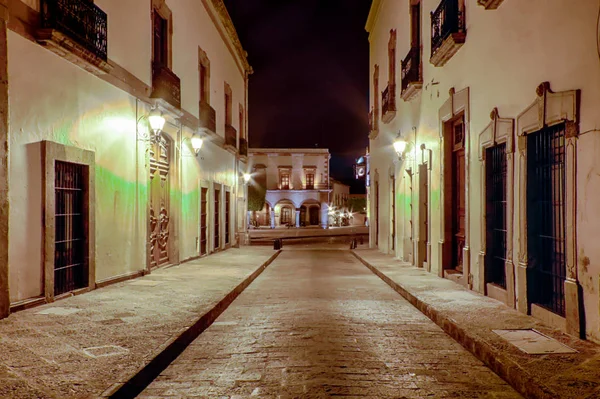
[
  {"x": 510, "y": 371},
  {"x": 171, "y": 349}
]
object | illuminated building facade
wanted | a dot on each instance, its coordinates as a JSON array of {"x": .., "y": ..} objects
[
  {"x": 483, "y": 149},
  {"x": 124, "y": 136},
  {"x": 298, "y": 192}
]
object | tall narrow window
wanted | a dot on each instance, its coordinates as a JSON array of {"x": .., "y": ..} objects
[
  {"x": 228, "y": 99},
  {"x": 227, "y": 221},
  {"x": 203, "y": 84},
  {"x": 70, "y": 256},
  {"x": 392, "y": 58},
  {"x": 242, "y": 125},
  {"x": 546, "y": 227},
  {"x": 161, "y": 40},
  {"x": 310, "y": 181},
  {"x": 285, "y": 181},
  {"x": 217, "y": 219},
  {"x": 415, "y": 24},
  {"x": 495, "y": 190},
  {"x": 286, "y": 215}
]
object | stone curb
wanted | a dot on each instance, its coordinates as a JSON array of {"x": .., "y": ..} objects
[
  {"x": 520, "y": 379},
  {"x": 167, "y": 353}
]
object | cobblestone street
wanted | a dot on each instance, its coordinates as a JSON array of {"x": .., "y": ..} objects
[{"x": 317, "y": 323}]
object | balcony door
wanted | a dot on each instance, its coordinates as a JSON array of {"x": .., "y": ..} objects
[
  {"x": 160, "y": 163},
  {"x": 161, "y": 40}
]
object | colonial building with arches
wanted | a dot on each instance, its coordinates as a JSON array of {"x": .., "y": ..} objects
[{"x": 297, "y": 183}]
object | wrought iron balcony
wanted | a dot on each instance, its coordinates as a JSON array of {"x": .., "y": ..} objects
[
  {"x": 80, "y": 28},
  {"x": 243, "y": 147},
  {"x": 447, "y": 31},
  {"x": 166, "y": 85},
  {"x": 388, "y": 97},
  {"x": 230, "y": 137},
  {"x": 208, "y": 117},
  {"x": 412, "y": 79}
]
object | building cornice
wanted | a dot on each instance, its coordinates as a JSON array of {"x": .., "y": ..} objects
[
  {"x": 231, "y": 33},
  {"x": 276, "y": 151},
  {"x": 373, "y": 14}
]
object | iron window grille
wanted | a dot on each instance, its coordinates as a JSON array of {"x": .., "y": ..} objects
[
  {"x": 227, "y": 201},
  {"x": 495, "y": 191},
  {"x": 70, "y": 252},
  {"x": 546, "y": 230}
]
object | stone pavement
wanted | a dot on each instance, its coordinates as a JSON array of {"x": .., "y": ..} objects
[
  {"x": 318, "y": 324},
  {"x": 470, "y": 318},
  {"x": 81, "y": 346}
]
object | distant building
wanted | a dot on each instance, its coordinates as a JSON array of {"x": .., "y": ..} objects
[
  {"x": 483, "y": 151},
  {"x": 298, "y": 192},
  {"x": 102, "y": 113},
  {"x": 338, "y": 212}
]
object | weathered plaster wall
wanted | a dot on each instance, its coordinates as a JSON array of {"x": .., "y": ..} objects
[
  {"x": 194, "y": 28},
  {"x": 507, "y": 54},
  {"x": 52, "y": 100}
]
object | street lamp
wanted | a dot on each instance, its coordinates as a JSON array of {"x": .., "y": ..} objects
[
  {"x": 246, "y": 177},
  {"x": 156, "y": 121},
  {"x": 197, "y": 142},
  {"x": 400, "y": 146}
]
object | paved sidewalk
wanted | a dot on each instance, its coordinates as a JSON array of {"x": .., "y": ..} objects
[
  {"x": 85, "y": 345},
  {"x": 470, "y": 318}
]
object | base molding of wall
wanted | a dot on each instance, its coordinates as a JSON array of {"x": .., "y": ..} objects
[
  {"x": 27, "y": 304},
  {"x": 496, "y": 292},
  {"x": 120, "y": 278},
  {"x": 549, "y": 318}
]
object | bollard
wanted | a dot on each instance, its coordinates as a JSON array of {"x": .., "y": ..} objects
[{"x": 277, "y": 244}]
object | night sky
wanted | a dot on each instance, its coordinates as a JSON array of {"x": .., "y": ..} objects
[{"x": 311, "y": 76}]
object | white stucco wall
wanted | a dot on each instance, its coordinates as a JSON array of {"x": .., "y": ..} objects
[
  {"x": 508, "y": 52},
  {"x": 52, "y": 99}
]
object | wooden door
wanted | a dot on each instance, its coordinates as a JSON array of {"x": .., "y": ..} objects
[
  {"x": 458, "y": 195},
  {"x": 393, "y": 216},
  {"x": 159, "y": 202},
  {"x": 203, "y": 221},
  {"x": 227, "y": 216},
  {"x": 314, "y": 215},
  {"x": 217, "y": 219},
  {"x": 423, "y": 214}
]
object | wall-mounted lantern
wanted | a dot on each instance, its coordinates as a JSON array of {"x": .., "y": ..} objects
[
  {"x": 400, "y": 146},
  {"x": 156, "y": 122}
]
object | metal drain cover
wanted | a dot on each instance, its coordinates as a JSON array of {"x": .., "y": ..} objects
[{"x": 533, "y": 342}]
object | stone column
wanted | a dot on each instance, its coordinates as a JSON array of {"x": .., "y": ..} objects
[
  {"x": 324, "y": 215},
  {"x": 4, "y": 163},
  {"x": 297, "y": 217},
  {"x": 272, "y": 219}
]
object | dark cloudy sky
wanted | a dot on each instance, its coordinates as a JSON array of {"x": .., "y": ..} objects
[{"x": 311, "y": 75}]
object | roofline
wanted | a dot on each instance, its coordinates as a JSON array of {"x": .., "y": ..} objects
[
  {"x": 292, "y": 150},
  {"x": 373, "y": 14}
]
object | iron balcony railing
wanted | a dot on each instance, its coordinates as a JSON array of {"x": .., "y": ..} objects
[
  {"x": 230, "y": 136},
  {"x": 388, "y": 99},
  {"x": 411, "y": 68},
  {"x": 166, "y": 85},
  {"x": 445, "y": 20},
  {"x": 243, "y": 147},
  {"x": 81, "y": 20}
]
